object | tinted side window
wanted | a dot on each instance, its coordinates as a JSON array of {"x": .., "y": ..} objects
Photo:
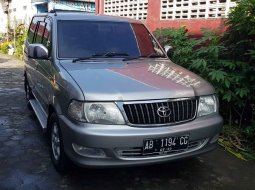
[
  {"x": 46, "y": 41},
  {"x": 32, "y": 29},
  {"x": 146, "y": 43},
  {"x": 39, "y": 32}
]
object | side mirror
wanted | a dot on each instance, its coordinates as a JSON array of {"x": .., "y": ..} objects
[
  {"x": 167, "y": 48},
  {"x": 37, "y": 51}
]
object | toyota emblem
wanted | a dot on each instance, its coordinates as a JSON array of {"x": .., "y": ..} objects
[{"x": 164, "y": 111}]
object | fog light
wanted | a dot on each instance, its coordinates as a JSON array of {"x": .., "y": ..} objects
[{"x": 88, "y": 152}]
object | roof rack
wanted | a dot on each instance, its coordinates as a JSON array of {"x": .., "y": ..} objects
[{"x": 63, "y": 10}]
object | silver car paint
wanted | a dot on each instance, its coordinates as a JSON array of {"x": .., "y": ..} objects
[
  {"x": 109, "y": 138},
  {"x": 120, "y": 81},
  {"x": 115, "y": 80}
]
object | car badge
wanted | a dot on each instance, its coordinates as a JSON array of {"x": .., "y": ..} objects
[{"x": 164, "y": 111}]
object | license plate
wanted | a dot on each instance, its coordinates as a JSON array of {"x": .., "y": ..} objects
[{"x": 166, "y": 144}]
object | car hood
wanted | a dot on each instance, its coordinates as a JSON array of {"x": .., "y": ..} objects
[{"x": 143, "y": 79}]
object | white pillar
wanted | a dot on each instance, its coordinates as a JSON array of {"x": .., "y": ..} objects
[
  {"x": 50, "y": 6},
  {"x": 174, "y": 9},
  {"x": 207, "y": 9},
  {"x": 137, "y": 10},
  {"x": 189, "y": 9},
  {"x": 227, "y": 8}
]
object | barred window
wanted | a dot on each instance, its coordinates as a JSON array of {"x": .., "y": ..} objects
[
  {"x": 195, "y": 9},
  {"x": 136, "y": 9}
]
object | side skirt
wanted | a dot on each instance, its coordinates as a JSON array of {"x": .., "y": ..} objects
[{"x": 40, "y": 113}]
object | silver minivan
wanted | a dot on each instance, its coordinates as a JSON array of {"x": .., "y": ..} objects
[{"x": 105, "y": 91}]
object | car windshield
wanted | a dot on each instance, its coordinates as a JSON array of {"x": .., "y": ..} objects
[{"x": 79, "y": 39}]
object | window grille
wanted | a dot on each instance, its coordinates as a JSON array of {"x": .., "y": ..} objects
[
  {"x": 136, "y": 9},
  {"x": 195, "y": 9}
]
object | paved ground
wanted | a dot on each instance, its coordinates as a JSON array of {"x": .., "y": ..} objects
[{"x": 25, "y": 163}]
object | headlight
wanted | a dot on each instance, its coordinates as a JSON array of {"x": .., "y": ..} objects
[
  {"x": 207, "y": 105},
  {"x": 103, "y": 113},
  {"x": 76, "y": 110}
]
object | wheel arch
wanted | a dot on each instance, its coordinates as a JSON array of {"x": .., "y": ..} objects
[{"x": 51, "y": 110}]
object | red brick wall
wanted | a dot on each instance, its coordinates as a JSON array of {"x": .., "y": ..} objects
[
  {"x": 153, "y": 19},
  {"x": 99, "y": 6}
]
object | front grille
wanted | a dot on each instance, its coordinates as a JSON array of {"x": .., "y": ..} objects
[
  {"x": 147, "y": 113},
  {"x": 137, "y": 152}
]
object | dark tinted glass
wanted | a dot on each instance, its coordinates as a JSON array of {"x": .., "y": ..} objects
[
  {"x": 32, "y": 29},
  {"x": 85, "y": 38},
  {"x": 40, "y": 32},
  {"x": 46, "y": 41},
  {"x": 147, "y": 44}
]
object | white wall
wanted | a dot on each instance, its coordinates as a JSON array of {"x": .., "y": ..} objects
[
  {"x": 3, "y": 20},
  {"x": 195, "y": 9},
  {"x": 136, "y": 9},
  {"x": 22, "y": 11}
]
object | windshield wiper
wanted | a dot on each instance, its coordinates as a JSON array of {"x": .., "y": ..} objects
[
  {"x": 110, "y": 54},
  {"x": 100, "y": 55},
  {"x": 131, "y": 58},
  {"x": 155, "y": 55},
  {"x": 82, "y": 58}
]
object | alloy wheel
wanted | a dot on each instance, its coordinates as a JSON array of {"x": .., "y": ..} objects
[{"x": 55, "y": 141}]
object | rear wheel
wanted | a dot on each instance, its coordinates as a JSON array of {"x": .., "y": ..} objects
[{"x": 58, "y": 156}]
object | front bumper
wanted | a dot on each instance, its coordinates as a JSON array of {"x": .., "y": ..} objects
[{"x": 115, "y": 138}]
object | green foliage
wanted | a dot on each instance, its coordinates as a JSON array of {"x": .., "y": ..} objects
[
  {"x": 227, "y": 76},
  {"x": 249, "y": 132},
  {"x": 179, "y": 39},
  {"x": 20, "y": 41},
  {"x": 240, "y": 42},
  {"x": 1, "y": 37},
  {"x": 228, "y": 62},
  {"x": 20, "y": 38},
  {"x": 4, "y": 47},
  {"x": 209, "y": 57},
  {"x": 239, "y": 142},
  {"x": 240, "y": 35}
]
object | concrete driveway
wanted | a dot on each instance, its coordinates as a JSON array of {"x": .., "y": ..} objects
[{"x": 25, "y": 161}]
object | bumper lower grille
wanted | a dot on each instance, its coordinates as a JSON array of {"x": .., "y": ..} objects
[
  {"x": 137, "y": 152},
  {"x": 148, "y": 113}
]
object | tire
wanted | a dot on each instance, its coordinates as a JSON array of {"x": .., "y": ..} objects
[{"x": 57, "y": 153}]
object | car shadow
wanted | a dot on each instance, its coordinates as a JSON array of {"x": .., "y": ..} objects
[{"x": 138, "y": 177}]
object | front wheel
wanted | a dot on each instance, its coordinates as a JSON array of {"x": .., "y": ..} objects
[{"x": 58, "y": 156}]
